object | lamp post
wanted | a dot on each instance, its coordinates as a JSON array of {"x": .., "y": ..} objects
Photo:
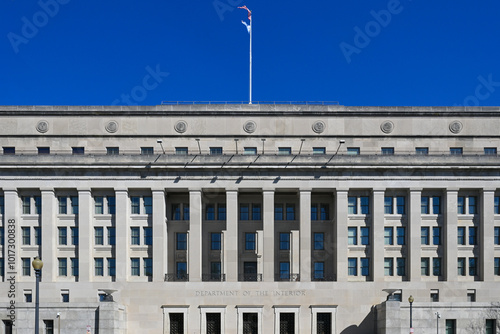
[
  {"x": 37, "y": 265},
  {"x": 410, "y": 300},
  {"x": 438, "y": 315}
]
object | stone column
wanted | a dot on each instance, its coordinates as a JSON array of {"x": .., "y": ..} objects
[
  {"x": 340, "y": 235},
  {"x": 377, "y": 235},
  {"x": 450, "y": 235},
  {"x": 305, "y": 235},
  {"x": 195, "y": 235},
  {"x": 231, "y": 236},
  {"x": 85, "y": 236},
  {"x": 413, "y": 226},
  {"x": 486, "y": 231},
  {"x": 122, "y": 235},
  {"x": 50, "y": 235},
  {"x": 269, "y": 237},
  {"x": 160, "y": 240},
  {"x": 12, "y": 218}
]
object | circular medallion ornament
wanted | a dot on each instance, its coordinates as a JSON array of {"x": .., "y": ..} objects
[
  {"x": 319, "y": 126},
  {"x": 181, "y": 126},
  {"x": 456, "y": 127},
  {"x": 111, "y": 127},
  {"x": 250, "y": 127},
  {"x": 42, "y": 126},
  {"x": 387, "y": 127}
]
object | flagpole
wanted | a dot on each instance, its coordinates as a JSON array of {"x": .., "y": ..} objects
[{"x": 251, "y": 30}]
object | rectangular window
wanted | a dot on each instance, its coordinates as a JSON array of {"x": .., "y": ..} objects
[
  {"x": 38, "y": 235},
  {"x": 63, "y": 235},
  {"x": 256, "y": 212},
  {"x": 181, "y": 271},
  {"x": 112, "y": 150},
  {"x": 221, "y": 211},
  {"x": 388, "y": 236},
  {"x": 319, "y": 271},
  {"x": 2, "y": 205},
  {"x": 74, "y": 236},
  {"x": 135, "y": 269},
  {"x": 147, "y": 151},
  {"x": 401, "y": 235},
  {"x": 424, "y": 235},
  {"x": 98, "y": 235},
  {"x": 185, "y": 211},
  {"x": 352, "y": 205},
  {"x": 215, "y": 150},
  {"x": 472, "y": 205},
  {"x": 26, "y": 235},
  {"x": 63, "y": 266},
  {"x": 148, "y": 236},
  {"x": 210, "y": 212},
  {"x": 250, "y": 151},
  {"x": 436, "y": 266},
  {"x": 215, "y": 241},
  {"x": 324, "y": 211},
  {"x": 249, "y": 241},
  {"x": 2, "y": 236},
  {"x": 436, "y": 235},
  {"x": 99, "y": 205},
  {"x": 365, "y": 266},
  {"x": 472, "y": 266},
  {"x": 496, "y": 236},
  {"x": 284, "y": 270},
  {"x": 74, "y": 267},
  {"x": 26, "y": 266},
  {"x": 471, "y": 295},
  {"x": 352, "y": 237},
  {"x": 244, "y": 211},
  {"x": 135, "y": 237},
  {"x": 472, "y": 235},
  {"x": 450, "y": 326},
  {"x": 176, "y": 323},
  {"x": 497, "y": 266},
  {"x": 26, "y": 200},
  {"x": 352, "y": 266},
  {"x": 365, "y": 235},
  {"x": 78, "y": 150},
  {"x": 9, "y": 150},
  {"x": 424, "y": 205},
  {"x": 111, "y": 236},
  {"x": 111, "y": 266},
  {"x": 111, "y": 205},
  {"x": 135, "y": 205},
  {"x": 365, "y": 205},
  {"x": 490, "y": 151},
  {"x": 388, "y": 266},
  {"x": 461, "y": 266},
  {"x": 497, "y": 205},
  {"x": 461, "y": 205},
  {"x": 181, "y": 151},
  {"x": 436, "y": 205},
  {"x": 290, "y": 212},
  {"x": 388, "y": 209},
  {"x": 422, "y": 150},
  {"x": 49, "y": 326},
  {"x": 176, "y": 211},
  {"x": 491, "y": 326},
  {"x": 215, "y": 271},
  {"x": 98, "y": 266},
  {"x": 148, "y": 205},
  {"x": 400, "y": 205},
  {"x": 353, "y": 151},
  {"x": 148, "y": 266},
  {"x": 424, "y": 266},
  {"x": 74, "y": 204},
  {"x": 250, "y": 323},
  {"x": 319, "y": 150},
  {"x": 461, "y": 235},
  {"x": 387, "y": 151},
  {"x": 401, "y": 266},
  {"x": 63, "y": 205},
  {"x": 319, "y": 240},
  {"x": 284, "y": 241},
  {"x": 284, "y": 150},
  {"x": 181, "y": 242},
  {"x": 456, "y": 150}
]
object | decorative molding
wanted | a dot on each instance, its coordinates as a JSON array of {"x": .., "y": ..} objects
[
  {"x": 181, "y": 126},
  {"x": 111, "y": 127},
  {"x": 387, "y": 127},
  {"x": 456, "y": 127},
  {"x": 42, "y": 126},
  {"x": 250, "y": 126},
  {"x": 319, "y": 126}
]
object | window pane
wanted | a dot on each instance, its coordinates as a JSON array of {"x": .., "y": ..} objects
[
  {"x": 365, "y": 205},
  {"x": 422, "y": 150},
  {"x": 250, "y": 151},
  {"x": 365, "y": 266},
  {"x": 436, "y": 205},
  {"x": 388, "y": 205},
  {"x": 424, "y": 206},
  {"x": 365, "y": 235},
  {"x": 319, "y": 241},
  {"x": 216, "y": 241},
  {"x": 319, "y": 150},
  {"x": 400, "y": 204},
  {"x": 181, "y": 241},
  {"x": 352, "y": 266},
  {"x": 290, "y": 212},
  {"x": 352, "y": 236},
  {"x": 353, "y": 151},
  {"x": 284, "y": 150},
  {"x": 401, "y": 235},
  {"x": 284, "y": 241},
  {"x": 256, "y": 212},
  {"x": 249, "y": 241},
  {"x": 244, "y": 211},
  {"x": 352, "y": 205},
  {"x": 387, "y": 150},
  {"x": 388, "y": 236}
]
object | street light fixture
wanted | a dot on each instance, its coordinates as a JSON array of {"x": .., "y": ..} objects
[
  {"x": 438, "y": 315},
  {"x": 37, "y": 265},
  {"x": 411, "y": 300}
]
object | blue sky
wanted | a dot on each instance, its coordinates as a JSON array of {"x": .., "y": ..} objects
[{"x": 356, "y": 52}]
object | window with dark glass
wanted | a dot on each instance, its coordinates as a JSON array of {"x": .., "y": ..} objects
[
  {"x": 290, "y": 212},
  {"x": 497, "y": 266},
  {"x": 148, "y": 205},
  {"x": 388, "y": 236},
  {"x": 472, "y": 235},
  {"x": 352, "y": 266},
  {"x": 78, "y": 150},
  {"x": 401, "y": 266},
  {"x": 63, "y": 266},
  {"x": 284, "y": 150},
  {"x": 436, "y": 266},
  {"x": 472, "y": 266},
  {"x": 135, "y": 269},
  {"x": 319, "y": 150},
  {"x": 111, "y": 266},
  {"x": 497, "y": 205},
  {"x": 256, "y": 211},
  {"x": 421, "y": 150},
  {"x": 176, "y": 211},
  {"x": 284, "y": 241},
  {"x": 365, "y": 266},
  {"x": 352, "y": 205},
  {"x": 319, "y": 241},
  {"x": 365, "y": 235},
  {"x": 456, "y": 150},
  {"x": 74, "y": 267},
  {"x": 63, "y": 205},
  {"x": 26, "y": 233},
  {"x": 352, "y": 237},
  {"x": 63, "y": 235},
  {"x": 148, "y": 236},
  {"x": 461, "y": 205},
  {"x": 9, "y": 150},
  {"x": 284, "y": 270},
  {"x": 215, "y": 150},
  {"x": 74, "y": 204},
  {"x": 365, "y": 205},
  {"x": 99, "y": 205},
  {"x": 98, "y": 235},
  {"x": 244, "y": 211},
  {"x": 221, "y": 211},
  {"x": 135, "y": 236},
  {"x": 472, "y": 205},
  {"x": 210, "y": 212},
  {"x": 147, "y": 151},
  {"x": 461, "y": 235},
  {"x": 181, "y": 150},
  {"x": 250, "y": 151},
  {"x": 111, "y": 205},
  {"x": 135, "y": 205},
  {"x": 387, "y": 150},
  {"x": 400, "y": 205},
  {"x": 215, "y": 241},
  {"x": 181, "y": 270},
  {"x": 401, "y": 235},
  {"x": 388, "y": 266},
  {"x": 215, "y": 270},
  {"x": 98, "y": 266},
  {"x": 148, "y": 266},
  {"x": 490, "y": 151},
  {"x": 249, "y": 241},
  {"x": 112, "y": 151},
  {"x": 424, "y": 266},
  {"x": 496, "y": 235},
  {"x": 353, "y": 151},
  {"x": 388, "y": 209},
  {"x": 424, "y": 235},
  {"x": 461, "y": 266},
  {"x": 319, "y": 270},
  {"x": 181, "y": 242},
  {"x": 436, "y": 235}
]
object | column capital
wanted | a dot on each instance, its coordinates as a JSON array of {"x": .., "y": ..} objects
[
  {"x": 341, "y": 190},
  {"x": 158, "y": 190},
  {"x": 121, "y": 190},
  {"x": 415, "y": 190},
  {"x": 231, "y": 190},
  {"x": 268, "y": 190},
  {"x": 10, "y": 190},
  {"x": 45, "y": 190},
  {"x": 378, "y": 190},
  {"x": 452, "y": 190},
  {"x": 488, "y": 190},
  {"x": 195, "y": 190},
  {"x": 307, "y": 190}
]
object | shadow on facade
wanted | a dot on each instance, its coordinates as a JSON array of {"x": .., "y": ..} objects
[{"x": 368, "y": 325}]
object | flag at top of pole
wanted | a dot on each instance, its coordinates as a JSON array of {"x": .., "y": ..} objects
[{"x": 249, "y": 29}]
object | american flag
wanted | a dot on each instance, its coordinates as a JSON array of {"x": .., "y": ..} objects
[{"x": 249, "y": 12}]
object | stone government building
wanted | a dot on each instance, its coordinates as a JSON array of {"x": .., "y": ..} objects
[{"x": 251, "y": 218}]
